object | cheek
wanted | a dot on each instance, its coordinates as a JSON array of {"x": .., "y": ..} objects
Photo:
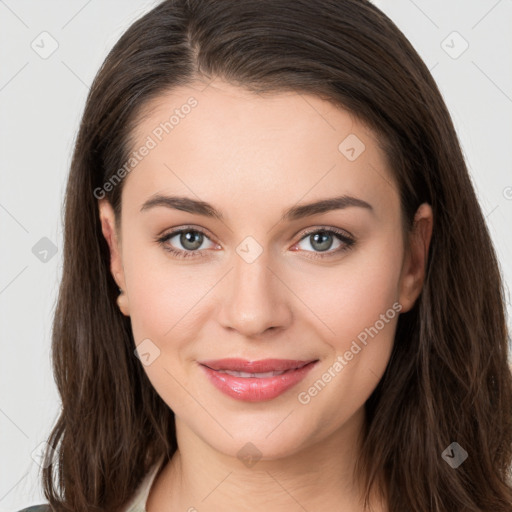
[
  {"x": 359, "y": 309},
  {"x": 164, "y": 299},
  {"x": 170, "y": 304},
  {"x": 352, "y": 296},
  {"x": 360, "y": 306}
]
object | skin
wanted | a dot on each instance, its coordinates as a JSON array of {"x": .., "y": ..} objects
[{"x": 252, "y": 157}]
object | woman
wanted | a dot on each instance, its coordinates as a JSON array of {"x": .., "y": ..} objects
[{"x": 279, "y": 291}]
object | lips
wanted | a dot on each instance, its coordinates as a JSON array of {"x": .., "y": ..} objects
[
  {"x": 264, "y": 365},
  {"x": 256, "y": 381}
]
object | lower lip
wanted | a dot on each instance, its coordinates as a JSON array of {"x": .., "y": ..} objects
[{"x": 252, "y": 389}]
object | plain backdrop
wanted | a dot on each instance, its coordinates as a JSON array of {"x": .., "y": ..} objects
[{"x": 50, "y": 52}]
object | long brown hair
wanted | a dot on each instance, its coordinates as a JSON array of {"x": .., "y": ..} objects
[{"x": 447, "y": 379}]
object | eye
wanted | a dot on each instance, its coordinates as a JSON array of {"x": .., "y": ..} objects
[
  {"x": 190, "y": 239},
  {"x": 321, "y": 240}
]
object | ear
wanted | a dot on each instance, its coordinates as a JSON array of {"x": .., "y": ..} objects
[
  {"x": 108, "y": 228},
  {"x": 416, "y": 256}
]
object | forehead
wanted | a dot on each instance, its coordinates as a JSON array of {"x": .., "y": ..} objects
[{"x": 224, "y": 144}]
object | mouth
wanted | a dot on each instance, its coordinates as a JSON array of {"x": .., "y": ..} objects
[{"x": 256, "y": 381}]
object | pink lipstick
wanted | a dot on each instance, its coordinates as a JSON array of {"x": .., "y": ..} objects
[{"x": 256, "y": 381}]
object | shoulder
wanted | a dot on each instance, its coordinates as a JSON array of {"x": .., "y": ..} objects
[{"x": 37, "y": 508}]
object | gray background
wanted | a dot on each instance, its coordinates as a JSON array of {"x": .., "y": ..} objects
[{"x": 41, "y": 101}]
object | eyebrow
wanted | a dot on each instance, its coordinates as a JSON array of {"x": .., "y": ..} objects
[{"x": 187, "y": 204}]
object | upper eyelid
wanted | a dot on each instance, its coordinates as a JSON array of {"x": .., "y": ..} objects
[{"x": 336, "y": 231}]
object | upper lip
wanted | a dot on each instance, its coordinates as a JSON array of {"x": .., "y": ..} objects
[{"x": 261, "y": 366}]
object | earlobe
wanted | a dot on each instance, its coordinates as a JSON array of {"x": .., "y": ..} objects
[
  {"x": 414, "y": 268},
  {"x": 122, "y": 302},
  {"x": 108, "y": 223}
]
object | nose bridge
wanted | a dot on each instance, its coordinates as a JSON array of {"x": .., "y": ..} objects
[{"x": 254, "y": 299}]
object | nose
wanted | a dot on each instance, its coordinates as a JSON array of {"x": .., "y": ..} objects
[{"x": 254, "y": 298}]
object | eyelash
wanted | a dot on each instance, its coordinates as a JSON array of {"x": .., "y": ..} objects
[{"x": 341, "y": 235}]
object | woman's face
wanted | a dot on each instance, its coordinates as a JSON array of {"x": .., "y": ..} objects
[{"x": 263, "y": 277}]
